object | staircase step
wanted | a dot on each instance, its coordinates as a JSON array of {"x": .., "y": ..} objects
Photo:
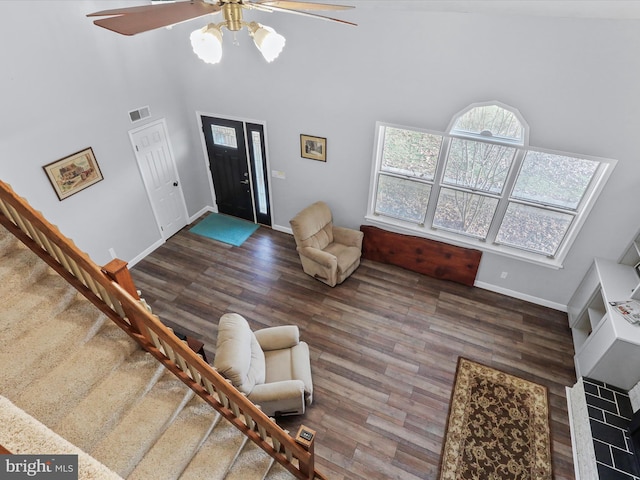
[
  {"x": 45, "y": 344},
  {"x": 174, "y": 449},
  {"x": 23, "y": 435},
  {"x": 18, "y": 270},
  {"x": 44, "y": 299},
  {"x": 105, "y": 405},
  {"x": 52, "y": 396},
  {"x": 251, "y": 463},
  {"x": 8, "y": 243},
  {"x": 76, "y": 372},
  {"x": 125, "y": 446},
  {"x": 216, "y": 455},
  {"x": 278, "y": 472}
]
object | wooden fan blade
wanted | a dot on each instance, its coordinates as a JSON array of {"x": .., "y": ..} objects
[
  {"x": 263, "y": 6},
  {"x": 133, "y": 20},
  {"x": 291, "y": 4},
  {"x": 126, "y": 10}
]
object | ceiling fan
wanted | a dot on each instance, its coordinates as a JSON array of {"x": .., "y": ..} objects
[{"x": 207, "y": 42}]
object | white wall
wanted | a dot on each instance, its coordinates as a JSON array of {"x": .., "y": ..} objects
[{"x": 70, "y": 84}]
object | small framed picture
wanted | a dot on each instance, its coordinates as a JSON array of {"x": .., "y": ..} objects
[
  {"x": 314, "y": 148},
  {"x": 71, "y": 174}
]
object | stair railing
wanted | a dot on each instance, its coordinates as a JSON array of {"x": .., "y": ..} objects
[{"x": 112, "y": 291}]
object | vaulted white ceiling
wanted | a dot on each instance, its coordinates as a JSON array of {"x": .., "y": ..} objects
[{"x": 611, "y": 9}]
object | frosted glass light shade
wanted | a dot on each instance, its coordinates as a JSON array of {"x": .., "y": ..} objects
[
  {"x": 267, "y": 40},
  {"x": 207, "y": 43}
]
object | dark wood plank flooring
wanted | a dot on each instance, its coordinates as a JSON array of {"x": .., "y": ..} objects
[{"x": 384, "y": 345}]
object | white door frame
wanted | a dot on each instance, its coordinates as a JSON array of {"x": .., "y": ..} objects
[{"x": 183, "y": 206}]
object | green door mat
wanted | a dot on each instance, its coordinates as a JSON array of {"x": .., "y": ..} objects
[{"x": 225, "y": 228}]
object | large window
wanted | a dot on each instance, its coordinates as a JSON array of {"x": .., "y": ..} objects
[{"x": 481, "y": 184}]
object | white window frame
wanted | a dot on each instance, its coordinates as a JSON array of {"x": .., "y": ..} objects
[{"x": 426, "y": 229}]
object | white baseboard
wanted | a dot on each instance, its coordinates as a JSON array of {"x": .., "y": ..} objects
[
  {"x": 146, "y": 252},
  {"x": 280, "y": 228},
  {"x": 521, "y": 296},
  {"x": 207, "y": 209},
  {"x": 160, "y": 242}
]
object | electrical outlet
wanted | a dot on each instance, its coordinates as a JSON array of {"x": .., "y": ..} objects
[{"x": 504, "y": 274}]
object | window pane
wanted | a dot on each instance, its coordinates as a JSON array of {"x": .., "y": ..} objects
[
  {"x": 402, "y": 198},
  {"x": 261, "y": 193},
  {"x": 464, "y": 212},
  {"x": 224, "y": 136},
  {"x": 411, "y": 153},
  {"x": 478, "y": 165},
  {"x": 491, "y": 121},
  {"x": 553, "y": 179},
  {"x": 534, "y": 229}
]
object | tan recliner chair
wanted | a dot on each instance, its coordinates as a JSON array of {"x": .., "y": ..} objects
[
  {"x": 327, "y": 252},
  {"x": 271, "y": 366}
]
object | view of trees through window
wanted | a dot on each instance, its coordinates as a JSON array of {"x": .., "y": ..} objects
[{"x": 480, "y": 180}]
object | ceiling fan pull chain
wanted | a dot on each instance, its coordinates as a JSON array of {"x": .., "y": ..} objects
[{"x": 236, "y": 42}]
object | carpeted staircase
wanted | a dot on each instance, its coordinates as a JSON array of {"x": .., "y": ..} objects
[{"x": 69, "y": 367}]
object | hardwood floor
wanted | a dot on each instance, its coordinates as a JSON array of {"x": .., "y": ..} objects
[{"x": 384, "y": 345}]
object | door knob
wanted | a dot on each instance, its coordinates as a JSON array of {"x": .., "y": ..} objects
[{"x": 245, "y": 182}]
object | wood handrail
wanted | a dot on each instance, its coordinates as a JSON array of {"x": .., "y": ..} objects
[{"x": 111, "y": 289}]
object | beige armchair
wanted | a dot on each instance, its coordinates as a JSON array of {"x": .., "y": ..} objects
[
  {"x": 270, "y": 366},
  {"x": 327, "y": 252}
]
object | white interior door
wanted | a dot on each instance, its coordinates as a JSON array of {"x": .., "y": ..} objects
[{"x": 160, "y": 176}]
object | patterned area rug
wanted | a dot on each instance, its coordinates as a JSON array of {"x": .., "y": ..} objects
[{"x": 498, "y": 427}]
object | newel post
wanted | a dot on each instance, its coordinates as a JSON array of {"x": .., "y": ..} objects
[
  {"x": 306, "y": 438},
  {"x": 117, "y": 271}
]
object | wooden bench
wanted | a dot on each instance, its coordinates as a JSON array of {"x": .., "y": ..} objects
[{"x": 429, "y": 257}]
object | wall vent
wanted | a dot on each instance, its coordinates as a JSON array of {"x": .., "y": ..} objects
[{"x": 139, "y": 114}]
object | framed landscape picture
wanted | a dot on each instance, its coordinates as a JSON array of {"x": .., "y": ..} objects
[
  {"x": 314, "y": 148},
  {"x": 71, "y": 174}
]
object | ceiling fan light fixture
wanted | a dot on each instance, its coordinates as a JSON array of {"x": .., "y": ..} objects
[
  {"x": 269, "y": 42},
  {"x": 207, "y": 43}
]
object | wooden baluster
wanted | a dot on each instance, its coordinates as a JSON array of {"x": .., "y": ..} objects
[
  {"x": 75, "y": 270},
  {"x": 248, "y": 421},
  {"x": 61, "y": 257},
  {"x": 262, "y": 432},
  {"x": 156, "y": 340},
  {"x": 209, "y": 387},
  {"x": 276, "y": 444},
  {"x": 33, "y": 233},
  {"x": 18, "y": 220},
  {"x": 235, "y": 409},
  {"x": 195, "y": 374},
  {"x": 5, "y": 209},
  {"x": 168, "y": 350},
  {"x": 182, "y": 363}
]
